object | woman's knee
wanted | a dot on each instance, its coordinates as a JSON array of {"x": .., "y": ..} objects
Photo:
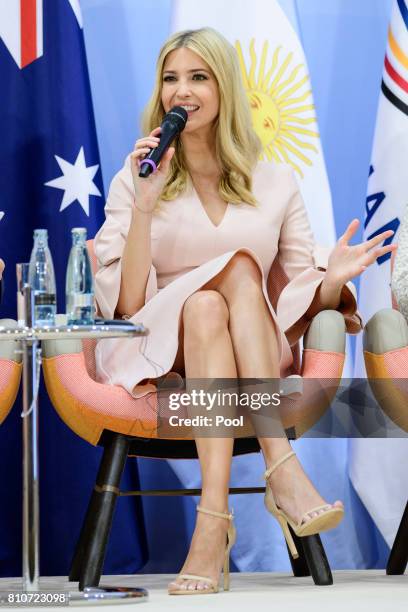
[
  {"x": 243, "y": 279},
  {"x": 205, "y": 313},
  {"x": 243, "y": 265}
]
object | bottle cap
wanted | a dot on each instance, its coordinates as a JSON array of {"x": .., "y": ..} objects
[{"x": 43, "y": 233}]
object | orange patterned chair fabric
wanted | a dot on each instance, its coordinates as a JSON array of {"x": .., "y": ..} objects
[
  {"x": 10, "y": 372},
  {"x": 386, "y": 361},
  {"x": 89, "y": 407}
]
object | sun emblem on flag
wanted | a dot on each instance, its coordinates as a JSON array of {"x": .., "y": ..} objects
[{"x": 281, "y": 108}]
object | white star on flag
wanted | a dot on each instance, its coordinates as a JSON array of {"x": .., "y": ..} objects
[
  {"x": 76, "y": 181},
  {"x": 1, "y": 214}
]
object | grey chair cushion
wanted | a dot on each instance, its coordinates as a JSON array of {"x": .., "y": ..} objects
[
  {"x": 12, "y": 349},
  {"x": 386, "y": 331},
  {"x": 327, "y": 332},
  {"x": 53, "y": 348}
]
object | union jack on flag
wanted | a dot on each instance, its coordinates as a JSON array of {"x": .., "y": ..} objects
[{"x": 21, "y": 29}]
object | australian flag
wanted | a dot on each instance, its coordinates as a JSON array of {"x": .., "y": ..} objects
[{"x": 50, "y": 177}]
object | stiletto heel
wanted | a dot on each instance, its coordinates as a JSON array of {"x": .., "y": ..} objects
[
  {"x": 328, "y": 519},
  {"x": 288, "y": 537},
  {"x": 226, "y": 574},
  {"x": 213, "y": 586},
  {"x": 231, "y": 537}
]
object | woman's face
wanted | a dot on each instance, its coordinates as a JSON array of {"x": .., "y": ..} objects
[{"x": 188, "y": 81}]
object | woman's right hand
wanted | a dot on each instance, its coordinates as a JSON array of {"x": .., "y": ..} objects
[
  {"x": 2, "y": 266},
  {"x": 148, "y": 190}
]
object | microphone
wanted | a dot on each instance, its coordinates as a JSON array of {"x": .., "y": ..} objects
[{"x": 173, "y": 123}]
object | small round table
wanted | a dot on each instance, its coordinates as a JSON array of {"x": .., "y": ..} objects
[{"x": 30, "y": 338}]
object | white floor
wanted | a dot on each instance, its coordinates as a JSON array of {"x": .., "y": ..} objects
[{"x": 352, "y": 591}]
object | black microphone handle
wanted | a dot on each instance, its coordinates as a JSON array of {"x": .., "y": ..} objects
[{"x": 168, "y": 134}]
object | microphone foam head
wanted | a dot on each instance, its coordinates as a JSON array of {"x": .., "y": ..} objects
[{"x": 177, "y": 115}]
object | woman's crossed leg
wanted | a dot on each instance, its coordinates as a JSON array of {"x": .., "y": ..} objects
[{"x": 227, "y": 331}]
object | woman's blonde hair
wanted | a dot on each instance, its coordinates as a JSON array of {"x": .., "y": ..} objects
[{"x": 237, "y": 144}]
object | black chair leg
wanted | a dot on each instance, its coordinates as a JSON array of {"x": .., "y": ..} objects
[
  {"x": 86, "y": 533},
  {"x": 90, "y": 551},
  {"x": 316, "y": 560},
  {"x": 398, "y": 559},
  {"x": 312, "y": 559}
]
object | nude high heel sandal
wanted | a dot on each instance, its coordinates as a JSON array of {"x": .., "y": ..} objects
[
  {"x": 307, "y": 525},
  {"x": 213, "y": 585}
]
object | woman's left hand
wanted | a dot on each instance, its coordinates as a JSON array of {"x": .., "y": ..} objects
[{"x": 347, "y": 261}]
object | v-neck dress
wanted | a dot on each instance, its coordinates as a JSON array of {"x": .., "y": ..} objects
[{"x": 188, "y": 250}]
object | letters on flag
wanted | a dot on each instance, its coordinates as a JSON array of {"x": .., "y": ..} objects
[
  {"x": 388, "y": 178},
  {"x": 386, "y": 201}
]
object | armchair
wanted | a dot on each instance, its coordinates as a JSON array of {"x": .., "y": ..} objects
[
  {"x": 10, "y": 372},
  {"x": 108, "y": 416},
  {"x": 386, "y": 360}
]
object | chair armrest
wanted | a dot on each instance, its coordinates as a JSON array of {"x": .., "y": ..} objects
[
  {"x": 10, "y": 350},
  {"x": 387, "y": 330},
  {"x": 54, "y": 348},
  {"x": 326, "y": 332}
]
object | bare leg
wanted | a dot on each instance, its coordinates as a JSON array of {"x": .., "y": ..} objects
[
  {"x": 254, "y": 338},
  {"x": 208, "y": 353}
]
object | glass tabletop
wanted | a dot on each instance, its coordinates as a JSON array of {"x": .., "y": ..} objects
[{"x": 97, "y": 331}]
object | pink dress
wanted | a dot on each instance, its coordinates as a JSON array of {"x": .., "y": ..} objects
[{"x": 188, "y": 250}]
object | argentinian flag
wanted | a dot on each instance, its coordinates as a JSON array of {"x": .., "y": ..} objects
[
  {"x": 275, "y": 74},
  {"x": 276, "y": 79}
]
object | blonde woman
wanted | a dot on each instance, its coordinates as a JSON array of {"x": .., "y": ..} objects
[{"x": 189, "y": 251}]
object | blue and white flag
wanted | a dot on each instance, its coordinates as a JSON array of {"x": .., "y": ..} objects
[
  {"x": 50, "y": 178},
  {"x": 378, "y": 467},
  {"x": 277, "y": 83}
]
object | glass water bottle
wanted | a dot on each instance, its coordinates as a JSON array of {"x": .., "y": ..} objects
[
  {"x": 42, "y": 281},
  {"x": 79, "y": 282}
]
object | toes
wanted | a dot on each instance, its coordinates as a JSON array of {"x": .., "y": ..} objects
[
  {"x": 191, "y": 586},
  {"x": 173, "y": 585},
  {"x": 176, "y": 585}
]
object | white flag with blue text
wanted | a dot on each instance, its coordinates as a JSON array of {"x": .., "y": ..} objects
[{"x": 378, "y": 468}]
